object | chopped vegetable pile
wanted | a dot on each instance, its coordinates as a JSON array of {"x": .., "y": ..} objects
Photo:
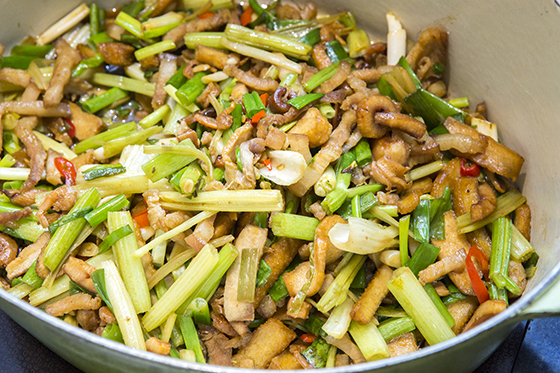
[{"x": 253, "y": 186}]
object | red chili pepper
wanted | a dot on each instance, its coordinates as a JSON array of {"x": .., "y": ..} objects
[
  {"x": 307, "y": 338},
  {"x": 72, "y": 131},
  {"x": 258, "y": 116},
  {"x": 67, "y": 169},
  {"x": 266, "y": 162},
  {"x": 472, "y": 170},
  {"x": 206, "y": 15},
  {"x": 246, "y": 16},
  {"x": 264, "y": 98},
  {"x": 141, "y": 218},
  {"x": 478, "y": 286}
]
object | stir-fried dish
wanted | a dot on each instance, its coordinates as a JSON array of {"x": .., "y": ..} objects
[{"x": 253, "y": 186}]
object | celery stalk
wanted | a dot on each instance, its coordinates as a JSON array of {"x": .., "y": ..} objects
[
  {"x": 198, "y": 270},
  {"x": 130, "y": 267},
  {"x": 418, "y": 305},
  {"x": 126, "y": 84},
  {"x": 226, "y": 200},
  {"x": 65, "y": 235},
  {"x": 123, "y": 308},
  {"x": 369, "y": 341}
]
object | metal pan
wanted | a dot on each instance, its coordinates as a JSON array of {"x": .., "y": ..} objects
[{"x": 504, "y": 52}]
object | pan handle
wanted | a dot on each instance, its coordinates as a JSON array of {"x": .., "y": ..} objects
[{"x": 547, "y": 304}]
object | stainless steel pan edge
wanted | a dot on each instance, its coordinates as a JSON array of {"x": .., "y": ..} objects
[{"x": 502, "y": 51}]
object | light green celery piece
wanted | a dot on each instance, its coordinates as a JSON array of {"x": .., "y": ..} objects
[
  {"x": 126, "y": 84},
  {"x": 337, "y": 291},
  {"x": 198, "y": 270},
  {"x": 173, "y": 124},
  {"x": 65, "y": 235},
  {"x": 123, "y": 308},
  {"x": 114, "y": 147},
  {"x": 417, "y": 304},
  {"x": 156, "y": 48},
  {"x": 227, "y": 200},
  {"x": 370, "y": 341},
  {"x": 208, "y": 39},
  {"x": 153, "y": 118},
  {"x": 130, "y": 267}
]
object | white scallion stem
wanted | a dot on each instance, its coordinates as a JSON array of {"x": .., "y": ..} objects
[{"x": 65, "y": 24}]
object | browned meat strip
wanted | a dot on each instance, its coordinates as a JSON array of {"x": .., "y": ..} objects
[{"x": 67, "y": 58}]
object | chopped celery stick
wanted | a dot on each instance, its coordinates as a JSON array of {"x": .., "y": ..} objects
[
  {"x": 189, "y": 92},
  {"x": 404, "y": 64},
  {"x": 404, "y": 224},
  {"x": 260, "y": 54},
  {"x": 53, "y": 227},
  {"x": 418, "y": 305},
  {"x": 130, "y": 24},
  {"x": 208, "y": 39},
  {"x": 394, "y": 327},
  {"x": 153, "y": 118},
  {"x": 113, "y": 237},
  {"x": 89, "y": 63},
  {"x": 16, "y": 62},
  {"x": 190, "y": 336},
  {"x": 114, "y": 147},
  {"x": 65, "y": 235},
  {"x": 98, "y": 140},
  {"x": 294, "y": 226},
  {"x": 500, "y": 255},
  {"x": 248, "y": 275},
  {"x": 424, "y": 255},
  {"x": 335, "y": 51},
  {"x": 358, "y": 42},
  {"x": 339, "y": 320},
  {"x": 316, "y": 354},
  {"x": 130, "y": 267},
  {"x": 177, "y": 261},
  {"x": 226, "y": 257},
  {"x": 173, "y": 123},
  {"x": 99, "y": 215},
  {"x": 425, "y": 170},
  {"x": 165, "y": 164},
  {"x": 31, "y": 278},
  {"x": 505, "y": 204},
  {"x": 38, "y": 51},
  {"x": 288, "y": 80},
  {"x": 196, "y": 273},
  {"x": 187, "y": 149},
  {"x": 123, "y": 309},
  {"x": 102, "y": 37},
  {"x": 126, "y": 84},
  {"x": 200, "y": 312},
  {"x": 96, "y": 19},
  {"x": 321, "y": 77},
  {"x": 369, "y": 341},
  {"x": 216, "y": 4},
  {"x": 134, "y": 8},
  {"x": 337, "y": 292},
  {"x": 156, "y": 48},
  {"x": 173, "y": 232},
  {"x": 20, "y": 290},
  {"x": 460, "y": 102},
  {"x": 113, "y": 332},
  {"x": 263, "y": 273},
  {"x": 228, "y": 200},
  {"x": 267, "y": 41},
  {"x": 300, "y": 101},
  {"x": 312, "y": 37},
  {"x": 439, "y": 304},
  {"x": 60, "y": 147},
  {"x": 521, "y": 249},
  {"x": 97, "y": 103},
  {"x": 158, "y": 252},
  {"x": 103, "y": 171}
]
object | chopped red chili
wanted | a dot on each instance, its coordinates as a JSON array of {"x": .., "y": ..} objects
[
  {"x": 67, "y": 169},
  {"x": 477, "y": 283},
  {"x": 266, "y": 162},
  {"x": 258, "y": 116},
  {"x": 206, "y": 15},
  {"x": 308, "y": 338},
  {"x": 469, "y": 170},
  {"x": 246, "y": 16},
  {"x": 72, "y": 131}
]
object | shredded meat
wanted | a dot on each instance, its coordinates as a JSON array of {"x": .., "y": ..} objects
[
  {"x": 15, "y": 76},
  {"x": 264, "y": 85},
  {"x": 322, "y": 61},
  {"x": 370, "y": 300},
  {"x": 67, "y": 59},
  {"x": 402, "y": 122},
  {"x": 367, "y": 75},
  {"x": 522, "y": 220},
  {"x": 118, "y": 54},
  {"x": 87, "y": 319},
  {"x": 8, "y": 250},
  {"x": 37, "y": 108},
  {"x": 430, "y": 49},
  {"x": 35, "y": 150},
  {"x": 167, "y": 68},
  {"x": 60, "y": 199},
  {"x": 7, "y": 217},
  {"x": 80, "y": 301},
  {"x": 211, "y": 89},
  {"x": 484, "y": 312},
  {"x": 217, "y": 346},
  {"x": 390, "y": 173},
  {"x": 80, "y": 272},
  {"x": 411, "y": 198},
  {"x": 87, "y": 125},
  {"x": 338, "y": 78},
  {"x": 27, "y": 256},
  {"x": 211, "y": 56},
  {"x": 22, "y": 199},
  {"x": 314, "y": 126},
  {"x": 366, "y": 113},
  {"x": 106, "y": 315},
  {"x": 403, "y": 344},
  {"x": 454, "y": 262},
  {"x": 53, "y": 175}
]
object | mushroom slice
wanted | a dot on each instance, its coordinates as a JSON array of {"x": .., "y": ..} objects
[{"x": 286, "y": 167}]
